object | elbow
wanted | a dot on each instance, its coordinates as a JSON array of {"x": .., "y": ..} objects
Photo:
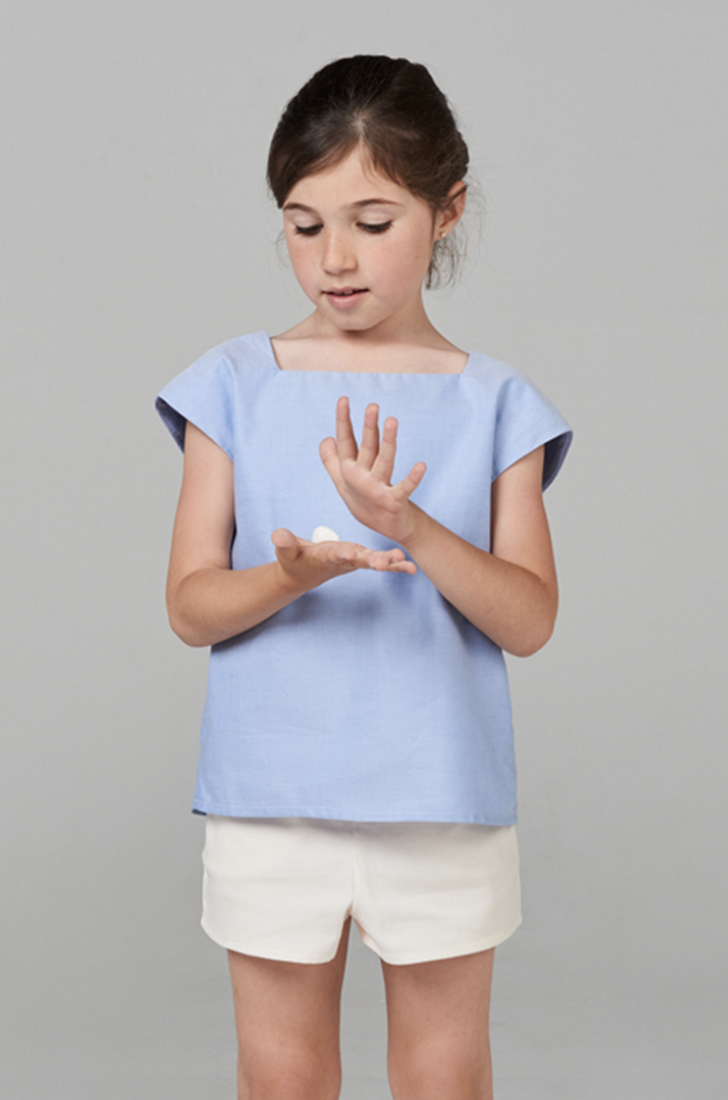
[
  {"x": 185, "y": 630},
  {"x": 190, "y": 638},
  {"x": 528, "y": 646},
  {"x": 187, "y": 635},
  {"x": 533, "y": 639}
]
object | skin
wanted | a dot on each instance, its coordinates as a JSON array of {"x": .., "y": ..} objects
[{"x": 287, "y": 1013}]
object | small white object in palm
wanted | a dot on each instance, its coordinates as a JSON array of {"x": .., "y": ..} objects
[{"x": 324, "y": 534}]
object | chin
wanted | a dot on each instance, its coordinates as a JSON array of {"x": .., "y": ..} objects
[{"x": 352, "y": 324}]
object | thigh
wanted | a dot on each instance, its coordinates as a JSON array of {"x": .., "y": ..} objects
[
  {"x": 287, "y": 1021},
  {"x": 437, "y": 1015}
]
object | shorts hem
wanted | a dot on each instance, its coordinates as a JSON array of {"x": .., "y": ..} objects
[
  {"x": 432, "y": 954},
  {"x": 425, "y": 954},
  {"x": 275, "y": 956}
]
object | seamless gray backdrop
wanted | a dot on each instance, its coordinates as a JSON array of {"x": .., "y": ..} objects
[{"x": 136, "y": 234}]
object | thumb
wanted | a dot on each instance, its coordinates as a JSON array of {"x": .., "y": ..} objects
[
  {"x": 286, "y": 544},
  {"x": 329, "y": 455}
]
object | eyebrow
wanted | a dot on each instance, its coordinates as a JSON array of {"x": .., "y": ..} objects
[{"x": 354, "y": 205}]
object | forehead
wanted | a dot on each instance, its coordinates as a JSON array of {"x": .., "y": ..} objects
[{"x": 353, "y": 180}]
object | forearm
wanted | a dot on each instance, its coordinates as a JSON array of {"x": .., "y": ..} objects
[
  {"x": 512, "y": 605},
  {"x": 213, "y": 604}
]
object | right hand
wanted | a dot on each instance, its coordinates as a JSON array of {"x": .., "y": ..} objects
[
  {"x": 363, "y": 474},
  {"x": 308, "y": 564}
]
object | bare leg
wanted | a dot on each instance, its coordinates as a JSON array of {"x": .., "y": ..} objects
[
  {"x": 437, "y": 1013},
  {"x": 287, "y": 1019}
]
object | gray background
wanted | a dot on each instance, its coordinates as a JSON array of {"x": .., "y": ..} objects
[{"x": 136, "y": 234}]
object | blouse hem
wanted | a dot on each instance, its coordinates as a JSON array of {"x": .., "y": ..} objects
[{"x": 327, "y": 814}]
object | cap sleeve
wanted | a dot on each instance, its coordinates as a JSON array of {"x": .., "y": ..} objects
[
  {"x": 525, "y": 420},
  {"x": 202, "y": 394}
]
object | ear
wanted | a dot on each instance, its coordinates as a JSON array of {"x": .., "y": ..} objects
[{"x": 448, "y": 218}]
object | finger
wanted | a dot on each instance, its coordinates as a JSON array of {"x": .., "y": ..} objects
[
  {"x": 329, "y": 453},
  {"x": 384, "y": 465},
  {"x": 344, "y": 553},
  {"x": 406, "y": 487},
  {"x": 352, "y": 555},
  {"x": 347, "y": 555},
  {"x": 369, "y": 437},
  {"x": 408, "y": 567},
  {"x": 391, "y": 561},
  {"x": 345, "y": 438}
]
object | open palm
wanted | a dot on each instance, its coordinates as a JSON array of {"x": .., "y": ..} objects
[{"x": 362, "y": 475}]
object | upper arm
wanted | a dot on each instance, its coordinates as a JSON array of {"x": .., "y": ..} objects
[
  {"x": 519, "y": 527},
  {"x": 205, "y": 520}
]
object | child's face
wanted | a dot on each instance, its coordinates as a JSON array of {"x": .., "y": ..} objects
[{"x": 360, "y": 246}]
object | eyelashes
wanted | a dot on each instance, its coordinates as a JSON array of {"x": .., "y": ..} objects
[
  {"x": 368, "y": 227},
  {"x": 380, "y": 227}
]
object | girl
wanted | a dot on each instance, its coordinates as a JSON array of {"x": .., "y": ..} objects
[{"x": 357, "y": 756}]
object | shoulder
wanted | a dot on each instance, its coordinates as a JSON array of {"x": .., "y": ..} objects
[
  {"x": 207, "y": 392},
  {"x": 494, "y": 374},
  {"x": 525, "y": 418},
  {"x": 508, "y": 386},
  {"x": 219, "y": 369},
  {"x": 249, "y": 352}
]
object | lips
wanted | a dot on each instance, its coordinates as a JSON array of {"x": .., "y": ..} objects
[{"x": 345, "y": 297}]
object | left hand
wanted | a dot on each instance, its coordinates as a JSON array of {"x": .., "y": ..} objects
[
  {"x": 362, "y": 475},
  {"x": 308, "y": 564}
]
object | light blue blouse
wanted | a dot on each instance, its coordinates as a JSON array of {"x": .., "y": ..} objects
[{"x": 370, "y": 698}]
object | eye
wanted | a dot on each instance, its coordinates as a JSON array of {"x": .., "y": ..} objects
[
  {"x": 307, "y": 230},
  {"x": 381, "y": 227}
]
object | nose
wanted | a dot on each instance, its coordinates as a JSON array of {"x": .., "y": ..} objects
[{"x": 337, "y": 254}]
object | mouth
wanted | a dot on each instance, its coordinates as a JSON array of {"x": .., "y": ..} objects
[{"x": 345, "y": 295}]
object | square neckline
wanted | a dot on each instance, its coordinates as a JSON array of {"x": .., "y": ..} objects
[{"x": 367, "y": 373}]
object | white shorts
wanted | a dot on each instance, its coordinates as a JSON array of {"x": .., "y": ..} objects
[{"x": 282, "y": 888}]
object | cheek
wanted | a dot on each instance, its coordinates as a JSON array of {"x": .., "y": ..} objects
[
  {"x": 299, "y": 256},
  {"x": 408, "y": 261}
]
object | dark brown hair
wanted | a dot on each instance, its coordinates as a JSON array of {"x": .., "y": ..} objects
[{"x": 394, "y": 108}]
